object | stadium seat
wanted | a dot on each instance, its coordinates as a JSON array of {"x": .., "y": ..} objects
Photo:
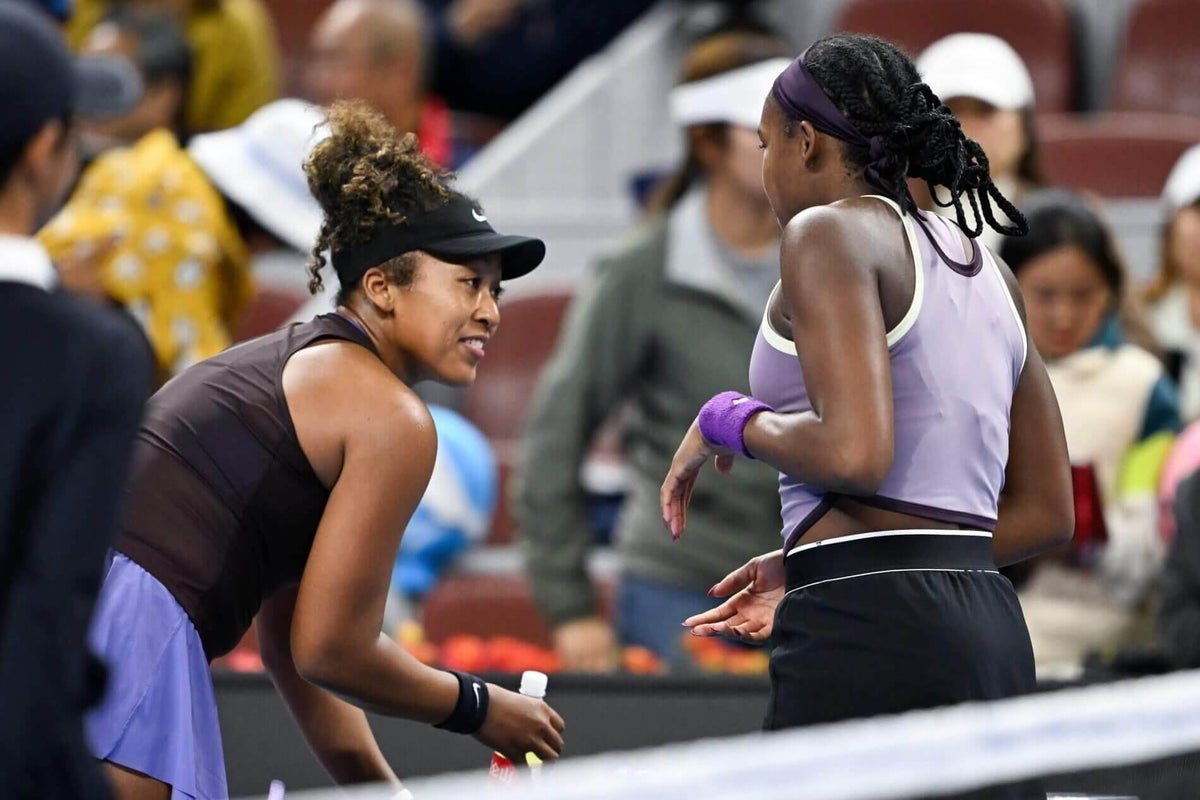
[
  {"x": 1115, "y": 155},
  {"x": 493, "y": 602},
  {"x": 268, "y": 309},
  {"x": 1159, "y": 66},
  {"x": 483, "y": 605},
  {"x": 499, "y": 398},
  {"x": 1041, "y": 31}
]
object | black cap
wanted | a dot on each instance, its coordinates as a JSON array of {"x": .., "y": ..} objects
[
  {"x": 455, "y": 231},
  {"x": 41, "y": 81}
]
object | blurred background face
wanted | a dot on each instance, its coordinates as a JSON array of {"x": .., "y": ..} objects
[
  {"x": 366, "y": 51},
  {"x": 163, "y": 96},
  {"x": 734, "y": 160},
  {"x": 999, "y": 131},
  {"x": 1066, "y": 300},
  {"x": 108, "y": 39},
  {"x": 343, "y": 64},
  {"x": 1185, "y": 251}
]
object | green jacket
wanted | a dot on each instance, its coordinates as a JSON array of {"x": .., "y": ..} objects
[{"x": 652, "y": 340}]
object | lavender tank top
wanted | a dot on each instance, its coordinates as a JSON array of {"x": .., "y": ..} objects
[{"x": 956, "y": 358}]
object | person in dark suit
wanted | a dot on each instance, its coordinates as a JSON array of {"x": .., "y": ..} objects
[{"x": 73, "y": 380}]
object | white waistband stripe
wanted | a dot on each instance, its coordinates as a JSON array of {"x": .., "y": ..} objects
[{"x": 879, "y": 534}]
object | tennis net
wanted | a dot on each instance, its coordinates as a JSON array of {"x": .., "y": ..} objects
[{"x": 1137, "y": 738}]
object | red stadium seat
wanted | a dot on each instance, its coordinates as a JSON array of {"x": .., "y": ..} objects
[
  {"x": 483, "y": 605},
  {"x": 1116, "y": 154},
  {"x": 1159, "y": 66},
  {"x": 1040, "y": 31},
  {"x": 489, "y": 605},
  {"x": 504, "y": 525},
  {"x": 268, "y": 309},
  {"x": 499, "y": 398}
]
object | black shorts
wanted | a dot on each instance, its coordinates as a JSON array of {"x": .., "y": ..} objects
[{"x": 889, "y": 622}]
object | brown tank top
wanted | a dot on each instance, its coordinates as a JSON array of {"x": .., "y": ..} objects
[{"x": 223, "y": 505}]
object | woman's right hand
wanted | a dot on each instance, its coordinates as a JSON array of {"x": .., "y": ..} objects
[
  {"x": 517, "y": 724},
  {"x": 754, "y": 591},
  {"x": 676, "y": 492}
]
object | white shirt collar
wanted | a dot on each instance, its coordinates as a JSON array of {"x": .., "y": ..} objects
[{"x": 24, "y": 260}]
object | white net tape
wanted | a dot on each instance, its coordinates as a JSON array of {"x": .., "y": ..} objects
[{"x": 885, "y": 758}]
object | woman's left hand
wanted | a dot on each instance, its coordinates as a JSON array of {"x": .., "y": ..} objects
[
  {"x": 676, "y": 490},
  {"x": 754, "y": 591}
]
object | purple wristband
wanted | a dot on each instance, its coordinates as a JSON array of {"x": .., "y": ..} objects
[{"x": 724, "y": 417}]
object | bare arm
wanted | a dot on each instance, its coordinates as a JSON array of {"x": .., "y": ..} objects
[
  {"x": 338, "y": 732},
  {"x": 387, "y": 444},
  {"x": 848, "y": 443},
  {"x": 1037, "y": 510},
  {"x": 336, "y": 634}
]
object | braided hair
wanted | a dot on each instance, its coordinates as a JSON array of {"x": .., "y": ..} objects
[{"x": 878, "y": 89}]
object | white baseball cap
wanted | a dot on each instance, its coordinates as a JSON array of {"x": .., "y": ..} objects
[
  {"x": 260, "y": 166},
  {"x": 976, "y": 65},
  {"x": 1183, "y": 184}
]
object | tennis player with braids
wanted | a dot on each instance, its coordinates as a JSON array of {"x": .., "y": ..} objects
[
  {"x": 273, "y": 482},
  {"x": 916, "y": 434}
]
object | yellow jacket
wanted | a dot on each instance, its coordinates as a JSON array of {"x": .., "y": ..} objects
[
  {"x": 235, "y": 58},
  {"x": 179, "y": 264}
]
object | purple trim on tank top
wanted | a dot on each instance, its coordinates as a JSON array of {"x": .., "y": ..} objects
[
  {"x": 971, "y": 521},
  {"x": 810, "y": 519},
  {"x": 970, "y": 269}
]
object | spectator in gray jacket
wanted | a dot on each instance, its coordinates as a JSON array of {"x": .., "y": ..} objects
[{"x": 667, "y": 322}]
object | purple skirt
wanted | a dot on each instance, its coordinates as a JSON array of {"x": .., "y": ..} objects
[{"x": 159, "y": 713}]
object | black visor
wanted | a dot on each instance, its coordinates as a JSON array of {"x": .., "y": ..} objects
[{"x": 456, "y": 231}]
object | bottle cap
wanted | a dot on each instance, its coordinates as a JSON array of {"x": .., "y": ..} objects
[{"x": 533, "y": 683}]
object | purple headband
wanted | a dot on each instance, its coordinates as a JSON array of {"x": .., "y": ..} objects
[{"x": 802, "y": 98}]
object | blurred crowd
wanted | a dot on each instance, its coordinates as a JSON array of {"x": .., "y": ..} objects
[{"x": 191, "y": 217}]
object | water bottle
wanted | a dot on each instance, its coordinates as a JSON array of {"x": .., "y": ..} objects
[{"x": 533, "y": 684}]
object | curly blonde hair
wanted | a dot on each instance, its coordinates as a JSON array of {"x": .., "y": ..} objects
[{"x": 366, "y": 174}]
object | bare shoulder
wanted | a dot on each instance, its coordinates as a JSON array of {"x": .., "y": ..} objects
[
  {"x": 351, "y": 375},
  {"x": 847, "y": 232},
  {"x": 817, "y": 222},
  {"x": 340, "y": 395}
]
